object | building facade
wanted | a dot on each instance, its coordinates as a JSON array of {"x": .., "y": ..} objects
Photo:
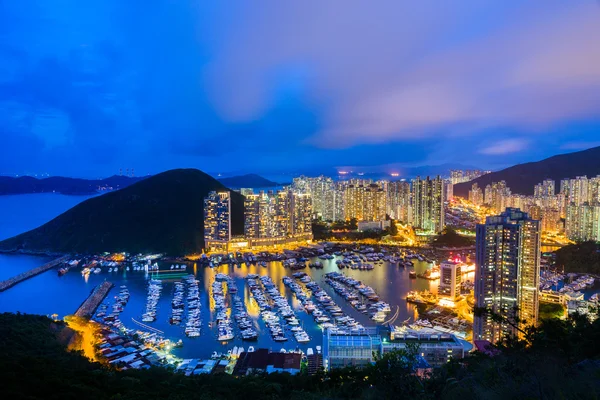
[
  {"x": 360, "y": 347},
  {"x": 365, "y": 202},
  {"x": 277, "y": 218},
  {"x": 507, "y": 273},
  {"x": 399, "y": 200},
  {"x": 217, "y": 219},
  {"x": 428, "y": 208}
]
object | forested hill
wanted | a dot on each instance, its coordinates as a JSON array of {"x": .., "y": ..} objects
[
  {"x": 160, "y": 214},
  {"x": 58, "y": 184},
  {"x": 522, "y": 178},
  {"x": 247, "y": 181}
]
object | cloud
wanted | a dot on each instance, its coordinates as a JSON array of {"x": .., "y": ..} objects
[
  {"x": 400, "y": 71},
  {"x": 508, "y": 146},
  {"x": 270, "y": 84}
]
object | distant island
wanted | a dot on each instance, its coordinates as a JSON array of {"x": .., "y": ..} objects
[
  {"x": 160, "y": 214},
  {"x": 248, "y": 181},
  {"x": 522, "y": 178},
  {"x": 71, "y": 186}
]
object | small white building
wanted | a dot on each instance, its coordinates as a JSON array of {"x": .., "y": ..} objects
[{"x": 450, "y": 280}]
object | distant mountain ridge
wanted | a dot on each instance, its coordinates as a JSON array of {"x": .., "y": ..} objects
[
  {"x": 247, "y": 181},
  {"x": 522, "y": 178},
  {"x": 163, "y": 213},
  {"x": 63, "y": 185}
]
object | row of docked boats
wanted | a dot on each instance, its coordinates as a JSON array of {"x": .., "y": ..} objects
[
  {"x": 354, "y": 265},
  {"x": 154, "y": 292},
  {"x": 111, "y": 317},
  {"x": 355, "y": 292},
  {"x": 284, "y": 311},
  {"x": 193, "y": 321},
  {"x": 244, "y": 322},
  {"x": 96, "y": 268},
  {"x": 269, "y": 317},
  {"x": 222, "y": 320},
  {"x": 305, "y": 299},
  {"x": 328, "y": 310},
  {"x": 177, "y": 304},
  {"x": 580, "y": 283}
]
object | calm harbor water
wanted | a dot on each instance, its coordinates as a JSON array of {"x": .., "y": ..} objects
[
  {"x": 49, "y": 294},
  {"x": 23, "y": 212}
]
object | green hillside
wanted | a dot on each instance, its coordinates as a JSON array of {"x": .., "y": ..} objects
[{"x": 163, "y": 213}]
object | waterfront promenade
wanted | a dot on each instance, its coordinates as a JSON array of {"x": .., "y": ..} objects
[
  {"x": 7, "y": 284},
  {"x": 89, "y": 306}
]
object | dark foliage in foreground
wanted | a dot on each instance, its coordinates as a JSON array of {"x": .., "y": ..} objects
[
  {"x": 160, "y": 214},
  {"x": 562, "y": 362}
]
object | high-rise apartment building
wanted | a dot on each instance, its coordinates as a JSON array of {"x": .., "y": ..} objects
[
  {"x": 428, "y": 204},
  {"x": 271, "y": 218},
  {"x": 300, "y": 214},
  {"x": 545, "y": 189},
  {"x": 507, "y": 273},
  {"x": 365, "y": 202},
  {"x": 476, "y": 195},
  {"x": 582, "y": 222},
  {"x": 496, "y": 196},
  {"x": 449, "y": 195},
  {"x": 326, "y": 197},
  {"x": 217, "y": 219},
  {"x": 398, "y": 200},
  {"x": 578, "y": 190},
  {"x": 460, "y": 176}
]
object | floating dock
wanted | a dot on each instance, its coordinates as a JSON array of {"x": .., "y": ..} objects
[
  {"x": 7, "y": 284},
  {"x": 89, "y": 306}
]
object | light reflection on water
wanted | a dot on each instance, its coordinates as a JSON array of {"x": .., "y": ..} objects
[{"x": 47, "y": 294}]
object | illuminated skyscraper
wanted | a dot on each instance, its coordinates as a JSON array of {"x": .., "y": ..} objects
[
  {"x": 460, "y": 176},
  {"x": 398, "y": 200},
  {"x": 325, "y": 197},
  {"x": 217, "y": 219},
  {"x": 578, "y": 190},
  {"x": 449, "y": 195},
  {"x": 507, "y": 273},
  {"x": 545, "y": 189},
  {"x": 497, "y": 195},
  {"x": 476, "y": 195},
  {"x": 428, "y": 204},
  {"x": 583, "y": 222},
  {"x": 365, "y": 202},
  {"x": 300, "y": 214},
  {"x": 274, "y": 217}
]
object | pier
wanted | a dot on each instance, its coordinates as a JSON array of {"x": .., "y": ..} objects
[
  {"x": 89, "y": 306},
  {"x": 151, "y": 329},
  {"x": 7, "y": 284}
]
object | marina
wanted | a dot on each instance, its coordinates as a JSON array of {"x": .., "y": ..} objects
[{"x": 241, "y": 300}]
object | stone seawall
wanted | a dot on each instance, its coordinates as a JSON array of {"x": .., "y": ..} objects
[
  {"x": 7, "y": 284},
  {"x": 89, "y": 306}
]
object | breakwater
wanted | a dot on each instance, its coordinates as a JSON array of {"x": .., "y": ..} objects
[
  {"x": 89, "y": 306},
  {"x": 7, "y": 284}
]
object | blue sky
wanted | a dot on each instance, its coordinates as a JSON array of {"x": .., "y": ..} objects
[{"x": 88, "y": 87}]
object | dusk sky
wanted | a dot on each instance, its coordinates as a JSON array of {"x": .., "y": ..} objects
[{"x": 88, "y": 87}]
